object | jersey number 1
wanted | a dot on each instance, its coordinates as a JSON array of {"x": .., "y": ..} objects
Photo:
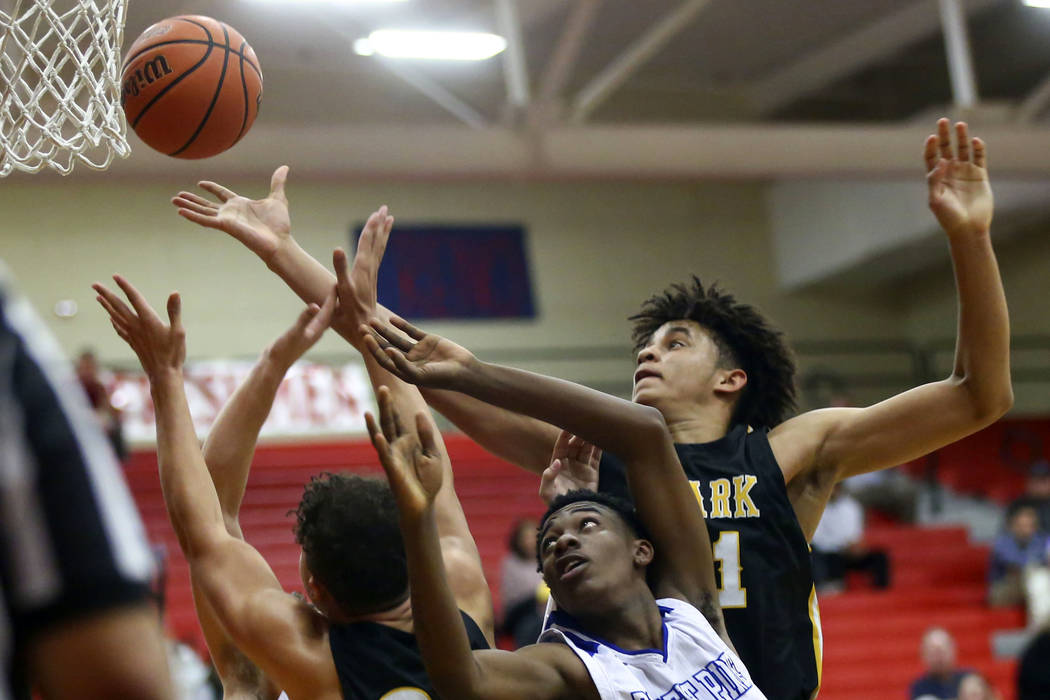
[{"x": 727, "y": 553}]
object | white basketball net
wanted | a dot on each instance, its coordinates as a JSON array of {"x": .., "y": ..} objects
[{"x": 60, "y": 84}]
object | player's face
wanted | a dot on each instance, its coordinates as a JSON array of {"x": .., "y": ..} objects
[
  {"x": 588, "y": 555},
  {"x": 679, "y": 365}
]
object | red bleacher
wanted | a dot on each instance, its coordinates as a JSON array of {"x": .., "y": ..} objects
[{"x": 871, "y": 638}]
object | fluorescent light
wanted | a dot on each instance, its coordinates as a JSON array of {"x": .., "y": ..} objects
[
  {"x": 438, "y": 46},
  {"x": 1045, "y": 4},
  {"x": 322, "y": 2}
]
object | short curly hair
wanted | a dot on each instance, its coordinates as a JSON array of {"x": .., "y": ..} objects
[
  {"x": 620, "y": 506},
  {"x": 745, "y": 340},
  {"x": 348, "y": 528}
]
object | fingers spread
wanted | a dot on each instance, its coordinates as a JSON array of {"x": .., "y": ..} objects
[
  {"x": 218, "y": 190},
  {"x": 138, "y": 302},
  {"x": 929, "y": 152},
  {"x": 112, "y": 303},
  {"x": 389, "y": 335},
  {"x": 979, "y": 153},
  {"x": 387, "y": 418},
  {"x": 197, "y": 199},
  {"x": 199, "y": 219},
  {"x": 205, "y": 209},
  {"x": 412, "y": 331},
  {"x": 962, "y": 140},
  {"x": 944, "y": 138}
]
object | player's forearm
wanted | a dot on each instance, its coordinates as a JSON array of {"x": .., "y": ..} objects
[
  {"x": 621, "y": 427},
  {"x": 982, "y": 356},
  {"x": 436, "y": 618},
  {"x": 308, "y": 278},
  {"x": 409, "y": 402},
  {"x": 518, "y": 439},
  {"x": 189, "y": 495},
  {"x": 231, "y": 443}
]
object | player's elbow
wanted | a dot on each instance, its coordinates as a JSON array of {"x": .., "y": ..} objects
[
  {"x": 647, "y": 428},
  {"x": 990, "y": 400}
]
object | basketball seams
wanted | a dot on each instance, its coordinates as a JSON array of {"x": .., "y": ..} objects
[
  {"x": 244, "y": 89},
  {"x": 154, "y": 123},
  {"x": 218, "y": 89},
  {"x": 128, "y": 61},
  {"x": 172, "y": 84}
]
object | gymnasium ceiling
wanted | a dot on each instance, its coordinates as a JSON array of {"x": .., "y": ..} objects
[{"x": 737, "y": 61}]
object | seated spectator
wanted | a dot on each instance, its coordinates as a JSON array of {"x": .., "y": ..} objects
[
  {"x": 1018, "y": 572},
  {"x": 520, "y": 584},
  {"x": 1037, "y": 492},
  {"x": 107, "y": 414},
  {"x": 942, "y": 679},
  {"x": 838, "y": 547},
  {"x": 974, "y": 686}
]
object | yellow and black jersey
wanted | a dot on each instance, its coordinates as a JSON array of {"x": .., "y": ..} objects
[{"x": 762, "y": 564}]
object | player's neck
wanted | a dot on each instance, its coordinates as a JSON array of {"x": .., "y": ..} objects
[
  {"x": 398, "y": 617},
  {"x": 693, "y": 424},
  {"x": 634, "y": 624}
]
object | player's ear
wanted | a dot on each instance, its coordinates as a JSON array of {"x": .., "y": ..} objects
[
  {"x": 643, "y": 553},
  {"x": 730, "y": 381}
]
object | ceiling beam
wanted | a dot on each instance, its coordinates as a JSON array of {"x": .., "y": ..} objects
[
  {"x": 852, "y": 52},
  {"x": 650, "y": 152},
  {"x": 1036, "y": 102},
  {"x": 563, "y": 59},
  {"x": 633, "y": 57},
  {"x": 515, "y": 69}
]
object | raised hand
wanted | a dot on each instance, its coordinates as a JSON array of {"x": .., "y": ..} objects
[
  {"x": 262, "y": 225},
  {"x": 412, "y": 464},
  {"x": 574, "y": 465},
  {"x": 159, "y": 346},
  {"x": 304, "y": 333},
  {"x": 420, "y": 358},
  {"x": 356, "y": 286},
  {"x": 960, "y": 196}
]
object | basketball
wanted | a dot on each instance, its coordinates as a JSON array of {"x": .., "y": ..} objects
[{"x": 191, "y": 86}]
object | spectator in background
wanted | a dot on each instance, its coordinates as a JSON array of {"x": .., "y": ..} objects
[
  {"x": 974, "y": 686},
  {"x": 1037, "y": 492},
  {"x": 521, "y": 585},
  {"x": 838, "y": 547},
  {"x": 107, "y": 414},
  {"x": 1018, "y": 572},
  {"x": 942, "y": 678}
]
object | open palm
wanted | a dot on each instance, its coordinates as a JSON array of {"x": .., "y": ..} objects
[
  {"x": 410, "y": 459},
  {"x": 262, "y": 225},
  {"x": 421, "y": 358},
  {"x": 960, "y": 195}
]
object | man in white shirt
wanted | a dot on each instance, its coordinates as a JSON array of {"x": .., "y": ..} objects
[{"x": 838, "y": 547}]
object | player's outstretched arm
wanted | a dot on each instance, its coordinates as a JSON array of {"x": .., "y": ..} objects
[
  {"x": 462, "y": 560},
  {"x": 264, "y": 227},
  {"x": 234, "y": 579},
  {"x": 832, "y": 444},
  {"x": 228, "y": 454},
  {"x": 636, "y": 433},
  {"x": 412, "y": 461}
]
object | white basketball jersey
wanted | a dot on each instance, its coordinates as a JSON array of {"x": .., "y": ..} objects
[{"x": 695, "y": 664}]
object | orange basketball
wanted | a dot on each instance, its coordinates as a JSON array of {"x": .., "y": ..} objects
[{"x": 191, "y": 86}]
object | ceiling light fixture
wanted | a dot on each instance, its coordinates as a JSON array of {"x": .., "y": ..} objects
[
  {"x": 346, "y": 3},
  {"x": 1045, "y": 4},
  {"x": 435, "y": 46}
]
